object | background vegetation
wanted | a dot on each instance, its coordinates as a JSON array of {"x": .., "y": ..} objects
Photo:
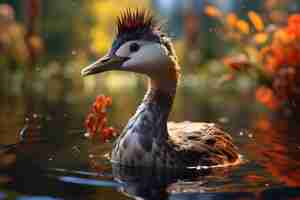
[{"x": 45, "y": 44}]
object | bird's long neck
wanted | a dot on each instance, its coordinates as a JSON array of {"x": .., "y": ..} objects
[
  {"x": 162, "y": 89},
  {"x": 156, "y": 106},
  {"x": 161, "y": 96},
  {"x": 147, "y": 129},
  {"x": 160, "y": 100}
]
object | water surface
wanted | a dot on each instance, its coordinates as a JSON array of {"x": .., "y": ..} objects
[{"x": 60, "y": 163}]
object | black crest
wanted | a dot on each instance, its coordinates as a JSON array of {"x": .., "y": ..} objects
[
  {"x": 135, "y": 22},
  {"x": 134, "y": 25}
]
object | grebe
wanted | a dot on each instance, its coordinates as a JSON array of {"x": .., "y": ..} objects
[{"x": 148, "y": 139}]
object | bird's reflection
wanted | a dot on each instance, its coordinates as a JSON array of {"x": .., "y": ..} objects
[{"x": 148, "y": 184}]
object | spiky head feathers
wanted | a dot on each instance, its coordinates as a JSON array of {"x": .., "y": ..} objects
[
  {"x": 135, "y": 22},
  {"x": 135, "y": 25},
  {"x": 140, "y": 25},
  {"x": 139, "y": 46}
]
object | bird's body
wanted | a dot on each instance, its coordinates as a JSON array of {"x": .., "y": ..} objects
[{"x": 148, "y": 139}]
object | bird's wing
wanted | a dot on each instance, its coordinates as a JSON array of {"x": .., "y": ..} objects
[{"x": 205, "y": 141}]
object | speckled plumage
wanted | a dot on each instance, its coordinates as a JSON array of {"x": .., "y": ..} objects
[{"x": 148, "y": 139}]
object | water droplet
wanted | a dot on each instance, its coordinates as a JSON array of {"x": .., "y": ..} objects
[
  {"x": 74, "y": 53},
  {"x": 223, "y": 120},
  {"x": 91, "y": 155},
  {"x": 107, "y": 156}
]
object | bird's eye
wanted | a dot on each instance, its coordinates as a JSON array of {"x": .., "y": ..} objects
[{"x": 134, "y": 47}]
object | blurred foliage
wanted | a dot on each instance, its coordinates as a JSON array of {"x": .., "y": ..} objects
[
  {"x": 13, "y": 49},
  {"x": 64, "y": 25},
  {"x": 68, "y": 34},
  {"x": 60, "y": 24},
  {"x": 105, "y": 13},
  {"x": 266, "y": 50}
]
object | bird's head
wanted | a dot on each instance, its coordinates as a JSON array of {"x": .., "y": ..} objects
[{"x": 139, "y": 46}]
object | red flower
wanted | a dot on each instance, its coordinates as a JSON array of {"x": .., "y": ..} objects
[
  {"x": 96, "y": 120},
  {"x": 108, "y": 133},
  {"x": 237, "y": 63},
  {"x": 266, "y": 96},
  {"x": 294, "y": 25}
]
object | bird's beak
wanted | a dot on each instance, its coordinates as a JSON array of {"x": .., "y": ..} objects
[{"x": 106, "y": 63}]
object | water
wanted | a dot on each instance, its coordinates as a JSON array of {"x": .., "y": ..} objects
[{"x": 59, "y": 163}]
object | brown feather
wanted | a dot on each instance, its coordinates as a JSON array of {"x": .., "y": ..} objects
[{"x": 200, "y": 140}]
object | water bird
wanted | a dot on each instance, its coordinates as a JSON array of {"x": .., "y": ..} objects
[{"x": 148, "y": 140}]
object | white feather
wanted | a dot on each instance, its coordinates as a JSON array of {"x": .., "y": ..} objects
[{"x": 149, "y": 59}]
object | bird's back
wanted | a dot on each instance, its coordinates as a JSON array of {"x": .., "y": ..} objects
[{"x": 201, "y": 144}]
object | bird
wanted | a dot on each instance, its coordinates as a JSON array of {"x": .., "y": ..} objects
[{"x": 149, "y": 140}]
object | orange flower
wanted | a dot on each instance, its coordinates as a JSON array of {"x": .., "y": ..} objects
[
  {"x": 108, "y": 133},
  {"x": 243, "y": 26},
  {"x": 294, "y": 24},
  {"x": 266, "y": 96},
  {"x": 101, "y": 103},
  {"x": 273, "y": 57},
  {"x": 213, "y": 11},
  {"x": 284, "y": 36},
  {"x": 256, "y": 21},
  {"x": 270, "y": 65},
  {"x": 96, "y": 120},
  {"x": 261, "y": 38},
  {"x": 294, "y": 19},
  {"x": 231, "y": 19},
  {"x": 293, "y": 57},
  {"x": 237, "y": 63}
]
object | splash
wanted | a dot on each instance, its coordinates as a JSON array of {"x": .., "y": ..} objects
[{"x": 238, "y": 161}]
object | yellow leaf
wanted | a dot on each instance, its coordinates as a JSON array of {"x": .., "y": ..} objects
[
  {"x": 104, "y": 13},
  {"x": 243, "y": 26},
  {"x": 213, "y": 11},
  {"x": 261, "y": 38},
  {"x": 256, "y": 21},
  {"x": 101, "y": 40}
]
